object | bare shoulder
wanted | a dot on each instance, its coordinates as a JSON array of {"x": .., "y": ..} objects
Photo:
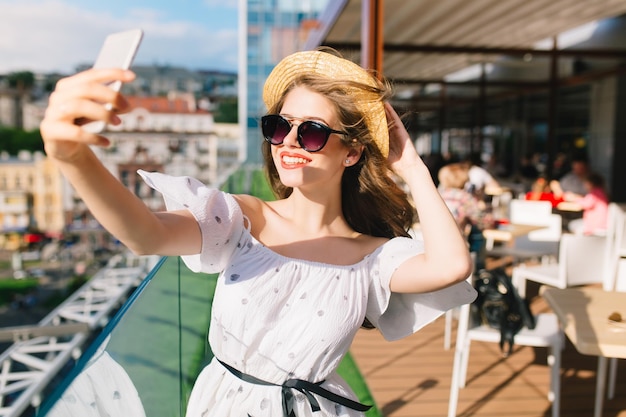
[
  {"x": 371, "y": 243},
  {"x": 372, "y": 240},
  {"x": 248, "y": 202},
  {"x": 251, "y": 206}
]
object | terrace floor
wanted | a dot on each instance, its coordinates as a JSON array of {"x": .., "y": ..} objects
[{"x": 411, "y": 377}]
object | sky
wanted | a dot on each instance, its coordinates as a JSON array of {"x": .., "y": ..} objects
[{"x": 58, "y": 35}]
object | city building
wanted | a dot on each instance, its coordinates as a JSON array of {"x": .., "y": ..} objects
[
  {"x": 10, "y": 105},
  {"x": 269, "y": 30},
  {"x": 25, "y": 108},
  {"x": 162, "y": 79},
  {"x": 175, "y": 135},
  {"x": 171, "y": 129},
  {"x": 31, "y": 198}
]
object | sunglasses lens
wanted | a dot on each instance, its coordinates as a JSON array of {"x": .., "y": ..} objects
[
  {"x": 313, "y": 136},
  {"x": 275, "y": 128}
]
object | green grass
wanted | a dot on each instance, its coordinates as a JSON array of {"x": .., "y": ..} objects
[
  {"x": 10, "y": 288},
  {"x": 349, "y": 371},
  {"x": 249, "y": 181}
]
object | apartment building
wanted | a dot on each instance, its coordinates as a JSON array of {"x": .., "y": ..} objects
[
  {"x": 175, "y": 135},
  {"x": 31, "y": 197}
]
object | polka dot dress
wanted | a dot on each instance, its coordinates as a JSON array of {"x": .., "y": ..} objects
[{"x": 279, "y": 318}]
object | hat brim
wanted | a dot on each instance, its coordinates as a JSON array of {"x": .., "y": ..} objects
[{"x": 328, "y": 65}]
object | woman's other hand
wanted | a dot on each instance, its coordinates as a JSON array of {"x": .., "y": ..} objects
[
  {"x": 77, "y": 100},
  {"x": 446, "y": 257},
  {"x": 402, "y": 153}
]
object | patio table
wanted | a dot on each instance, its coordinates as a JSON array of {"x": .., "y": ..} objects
[
  {"x": 584, "y": 314},
  {"x": 507, "y": 233}
]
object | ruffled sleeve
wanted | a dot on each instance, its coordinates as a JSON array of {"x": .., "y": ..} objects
[
  {"x": 219, "y": 217},
  {"x": 398, "y": 315}
]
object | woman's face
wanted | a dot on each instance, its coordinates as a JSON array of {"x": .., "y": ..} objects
[{"x": 298, "y": 168}]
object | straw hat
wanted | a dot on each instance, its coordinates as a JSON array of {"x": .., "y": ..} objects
[{"x": 325, "y": 64}]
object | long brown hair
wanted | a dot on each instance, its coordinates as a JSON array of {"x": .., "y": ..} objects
[{"x": 372, "y": 201}]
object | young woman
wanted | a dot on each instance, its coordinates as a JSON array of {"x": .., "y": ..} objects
[{"x": 299, "y": 275}]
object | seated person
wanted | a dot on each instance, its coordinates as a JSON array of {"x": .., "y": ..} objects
[
  {"x": 540, "y": 191},
  {"x": 466, "y": 209},
  {"x": 574, "y": 180},
  {"x": 470, "y": 214},
  {"x": 480, "y": 181},
  {"x": 594, "y": 204}
]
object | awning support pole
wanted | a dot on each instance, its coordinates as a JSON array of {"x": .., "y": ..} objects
[{"x": 372, "y": 18}]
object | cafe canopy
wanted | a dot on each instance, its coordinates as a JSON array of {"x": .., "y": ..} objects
[{"x": 478, "y": 69}]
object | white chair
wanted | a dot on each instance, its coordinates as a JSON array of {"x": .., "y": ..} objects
[
  {"x": 542, "y": 243},
  {"x": 547, "y": 333},
  {"x": 581, "y": 261},
  {"x": 529, "y": 211}
]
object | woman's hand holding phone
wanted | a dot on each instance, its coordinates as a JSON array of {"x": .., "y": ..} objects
[
  {"x": 82, "y": 104},
  {"x": 77, "y": 99},
  {"x": 118, "y": 51}
]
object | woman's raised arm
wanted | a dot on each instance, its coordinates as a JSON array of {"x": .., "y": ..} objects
[
  {"x": 82, "y": 98},
  {"x": 446, "y": 258}
]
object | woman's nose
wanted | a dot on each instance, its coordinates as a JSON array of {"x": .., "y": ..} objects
[{"x": 291, "y": 139}]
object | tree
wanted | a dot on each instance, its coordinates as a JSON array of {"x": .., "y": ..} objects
[
  {"x": 226, "y": 111},
  {"x": 15, "y": 140},
  {"x": 22, "y": 80}
]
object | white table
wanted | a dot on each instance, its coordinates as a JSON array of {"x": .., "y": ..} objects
[
  {"x": 508, "y": 232},
  {"x": 583, "y": 313}
]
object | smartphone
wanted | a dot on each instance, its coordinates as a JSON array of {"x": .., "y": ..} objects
[{"x": 118, "y": 51}]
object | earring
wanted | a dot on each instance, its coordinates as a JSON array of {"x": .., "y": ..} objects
[{"x": 347, "y": 161}]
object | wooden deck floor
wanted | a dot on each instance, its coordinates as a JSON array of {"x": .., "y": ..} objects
[{"x": 411, "y": 377}]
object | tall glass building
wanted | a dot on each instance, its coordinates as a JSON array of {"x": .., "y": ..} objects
[{"x": 268, "y": 31}]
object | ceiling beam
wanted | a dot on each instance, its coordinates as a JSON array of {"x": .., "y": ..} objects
[
  {"x": 470, "y": 83},
  {"x": 458, "y": 49},
  {"x": 564, "y": 82},
  {"x": 528, "y": 88}
]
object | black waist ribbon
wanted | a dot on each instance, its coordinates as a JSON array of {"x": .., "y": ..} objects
[{"x": 305, "y": 387}]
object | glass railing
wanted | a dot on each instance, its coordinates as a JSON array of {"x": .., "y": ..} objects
[{"x": 146, "y": 359}]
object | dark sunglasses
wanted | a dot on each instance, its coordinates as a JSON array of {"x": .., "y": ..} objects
[{"x": 312, "y": 135}]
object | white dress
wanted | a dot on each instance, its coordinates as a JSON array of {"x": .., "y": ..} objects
[{"x": 278, "y": 318}]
